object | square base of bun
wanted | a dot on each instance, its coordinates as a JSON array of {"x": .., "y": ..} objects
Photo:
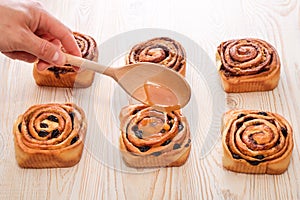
[
  {"x": 170, "y": 159},
  {"x": 263, "y": 81},
  {"x": 48, "y": 158},
  {"x": 63, "y": 77},
  {"x": 242, "y": 166}
]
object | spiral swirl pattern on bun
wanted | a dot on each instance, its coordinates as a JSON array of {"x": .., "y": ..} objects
[
  {"x": 247, "y": 65},
  {"x": 161, "y": 50},
  {"x": 151, "y": 138},
  {"x": 50, "y": 135},
  {"x": 256, "y": 142}
]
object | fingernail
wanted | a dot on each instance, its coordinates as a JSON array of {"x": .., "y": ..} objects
[
  {"x": 55, "y": 57},
  {"x": 59, "y": 58}
]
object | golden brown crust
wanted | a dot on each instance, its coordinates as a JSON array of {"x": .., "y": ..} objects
[
  {"x": 248, "y": 65},
  {"x": 66, "y": 76},
  {"x": 256, "y": 142},
  {"x": 50, "y": 135},
  {"x": 151, "y": 138},
  {"x": 161, "y": 50}
]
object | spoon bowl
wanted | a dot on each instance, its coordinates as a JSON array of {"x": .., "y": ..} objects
[{"x": 152, "y": 84}]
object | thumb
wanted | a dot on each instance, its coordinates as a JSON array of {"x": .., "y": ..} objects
[{"x": 45, "y": 50}]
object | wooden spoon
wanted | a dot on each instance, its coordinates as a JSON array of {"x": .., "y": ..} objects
[{"x": 149, "y": 83}]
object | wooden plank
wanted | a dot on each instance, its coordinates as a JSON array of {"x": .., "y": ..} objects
[{"x": 101, "y": 173}]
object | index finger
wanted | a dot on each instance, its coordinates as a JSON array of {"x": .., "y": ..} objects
[{"x": 54, "y": 27}]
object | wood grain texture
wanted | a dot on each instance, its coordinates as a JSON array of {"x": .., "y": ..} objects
[{"x": 101, "y": 173}]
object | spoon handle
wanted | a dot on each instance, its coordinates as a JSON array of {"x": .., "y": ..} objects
[{"x": 85, "y": 64}]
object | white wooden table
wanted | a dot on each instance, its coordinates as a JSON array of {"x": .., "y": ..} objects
[{"x": 101, "y": 173}]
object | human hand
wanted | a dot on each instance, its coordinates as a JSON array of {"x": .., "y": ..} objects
[{"x": 30, "y": 32}]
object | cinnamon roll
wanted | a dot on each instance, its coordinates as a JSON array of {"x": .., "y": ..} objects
[
  {"x": 151, "y": 138},
  {"x": 256, "y": 142},
  {"x": 66, "y": 76},
  {"x": 50, "y": 135},
  {"x": 248, "y": 65},
  {"x": 161, "y": 50}
]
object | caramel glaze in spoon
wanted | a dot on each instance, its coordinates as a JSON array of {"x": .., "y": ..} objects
[{"x": 152, "y": 84}]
